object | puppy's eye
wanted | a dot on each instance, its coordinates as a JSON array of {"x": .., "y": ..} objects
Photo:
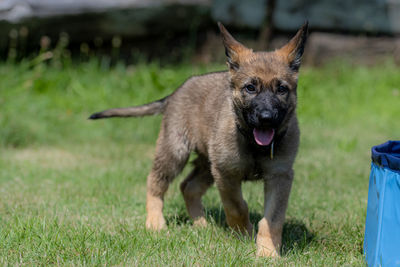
[
  {"x": 251, "y": 89},
  {"x": 282, "y": 90}
]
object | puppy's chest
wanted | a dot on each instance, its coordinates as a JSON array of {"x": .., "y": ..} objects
[{"x": 256, "y": 169}]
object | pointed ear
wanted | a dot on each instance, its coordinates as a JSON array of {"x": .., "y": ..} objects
[
  {"x": 234, "y": 50},
  {"x": 293, "y": 50}
]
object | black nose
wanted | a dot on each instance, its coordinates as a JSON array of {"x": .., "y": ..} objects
[{"x": 265, "y": 116}]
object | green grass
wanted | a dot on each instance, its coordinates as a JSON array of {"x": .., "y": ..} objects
[{"x": 72, "y": 191}]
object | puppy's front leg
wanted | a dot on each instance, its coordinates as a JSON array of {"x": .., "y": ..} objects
[
  {"x": 236, "y": 211},
  {"x": 276, "y": 195}
]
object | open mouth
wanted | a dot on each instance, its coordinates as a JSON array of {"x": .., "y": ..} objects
[{"x": 263, "y": 137}]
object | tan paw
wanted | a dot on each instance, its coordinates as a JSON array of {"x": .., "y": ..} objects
[
  {"x": 155, "y": 223},
  {"x": 200, "y": 222},
  {"x": 267, "y": 252},
  {"x": 266, "y": 247}
]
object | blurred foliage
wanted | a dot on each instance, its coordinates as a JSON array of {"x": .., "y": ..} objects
[{"x": 50, "y": 96}]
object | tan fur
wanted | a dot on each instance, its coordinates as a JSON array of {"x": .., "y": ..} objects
[{"x": 203, "y": 116}]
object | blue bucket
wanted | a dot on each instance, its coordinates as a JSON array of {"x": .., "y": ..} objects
[{"x": 382, "y": 226}]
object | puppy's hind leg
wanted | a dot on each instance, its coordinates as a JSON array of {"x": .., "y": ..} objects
[
  {"x": 171, "y": 156},
  {"x": 194, "y": 187}
]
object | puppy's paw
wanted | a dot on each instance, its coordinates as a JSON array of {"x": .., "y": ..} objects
[
  {"x": 267, "y": 252},
  {"x": 266, "y": 247},
  {"x": 200, "y": 222},
  {"x": 155, "y": 223}
]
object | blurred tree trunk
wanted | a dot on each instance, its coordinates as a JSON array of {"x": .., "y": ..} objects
[{"x": 266, "y": 31}]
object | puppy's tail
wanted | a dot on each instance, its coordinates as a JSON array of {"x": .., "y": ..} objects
[{"x": 152, "y": 108}]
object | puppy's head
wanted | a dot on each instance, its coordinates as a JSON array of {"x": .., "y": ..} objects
[{"x": 264, "y": 84}]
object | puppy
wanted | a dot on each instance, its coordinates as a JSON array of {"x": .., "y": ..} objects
[{"x": 242, "y": 125}]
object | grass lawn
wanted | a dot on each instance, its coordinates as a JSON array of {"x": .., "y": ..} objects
[{"x": 72, "y": 191}]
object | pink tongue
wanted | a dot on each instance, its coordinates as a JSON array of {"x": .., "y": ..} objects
[{"x": 263, "y": 137}]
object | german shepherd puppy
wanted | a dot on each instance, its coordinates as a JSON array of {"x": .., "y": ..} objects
[{"x": 242, "y": 124}]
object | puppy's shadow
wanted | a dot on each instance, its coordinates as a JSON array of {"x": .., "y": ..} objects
[
  {"x": 296, "y": 236},
  {"x": 215, "y": 214}
]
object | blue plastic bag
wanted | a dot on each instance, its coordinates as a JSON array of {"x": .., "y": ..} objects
[{"x": 382, "y": 227}]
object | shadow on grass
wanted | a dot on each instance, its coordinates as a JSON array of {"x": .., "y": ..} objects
[{"x": 296, "y": 236}]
